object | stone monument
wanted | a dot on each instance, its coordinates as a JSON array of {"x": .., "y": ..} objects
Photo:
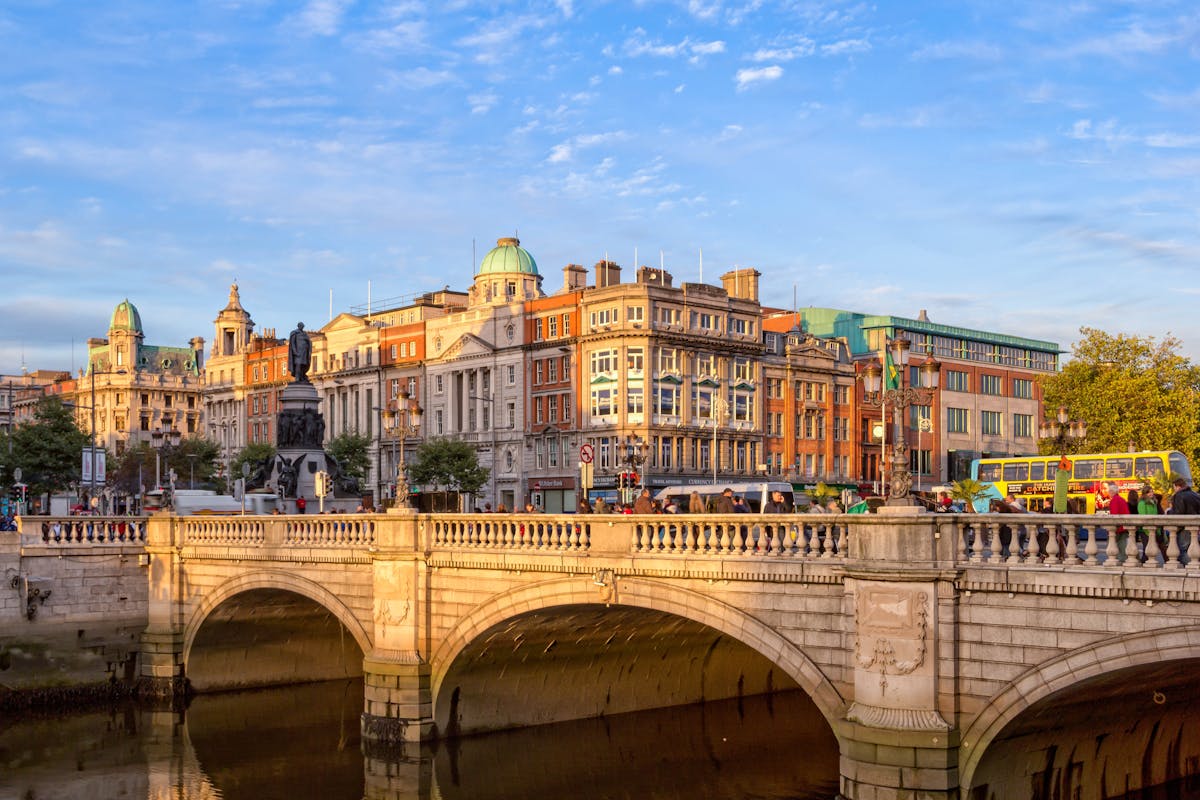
[{"x": 299, "y": 434}]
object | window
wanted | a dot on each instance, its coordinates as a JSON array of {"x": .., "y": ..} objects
[
  {"x": 602, "y": 402},
  {"x": 566, "y": 325},
  {"x": 743, "y": 369},
  {"x": 635, "y": 400},
  {"x": 668, "y": 359},
  {"x": 635, "y": 313},
  {"x": 437, "y": 384},
  {"x": 743, "y": 408},
  {"x": 666, "y": 399},
  {"x": 512, "y": 374},
  {"x": 989, "y": 423},
  {"x": 537, "y": 410},
  {"x": 841, "y": 429},
  {"x": 706, "y": 366},
  {"x": 956, "y": 420},
  {"x": 604, "y": 361},
  {"x": 566, "y": 407},
  {"x": 512, "y": 416},
  {"x": 537, "y": 373},
  {"x": 841, "y": 395},
  {"x": 552, "y": 412},
  {"x": 552, "y": 327},
  {"x": 916, "y": 414},
  {"x": 742, "y": 327},
  {"x": 1023, "y": 426},
  {"x": 635, "y": 360},
  {"x": 393, "y": 352},
  {"x": 990, "y": 384},
  {"x": 957, "y": 381},
  {"x": 537, "y": 330},
  {"x": 552, "y": 371}
]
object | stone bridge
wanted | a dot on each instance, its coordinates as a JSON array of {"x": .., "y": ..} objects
[{"x": 921, "y": 638}]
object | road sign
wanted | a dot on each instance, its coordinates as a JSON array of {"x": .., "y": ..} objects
[
  {"x": 586, "y": 453},
  {"x": 537, "y": 487}
]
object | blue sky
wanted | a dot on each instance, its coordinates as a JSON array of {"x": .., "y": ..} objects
[{"x": 1028, "y": 168}]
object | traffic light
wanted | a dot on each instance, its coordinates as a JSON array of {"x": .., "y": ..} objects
[{"x": 323, "y": 485}]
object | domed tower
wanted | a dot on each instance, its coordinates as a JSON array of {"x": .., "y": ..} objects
[
  {"x": 507, "y": 274},
  {"x": 125, "y": 338},
  {"x": 233, "y": 327}
]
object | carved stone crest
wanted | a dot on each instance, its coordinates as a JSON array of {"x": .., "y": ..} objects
[{"x": 892, "y": 631}]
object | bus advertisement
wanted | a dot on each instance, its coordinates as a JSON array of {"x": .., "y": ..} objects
[{"x": 1032, "y": 477}]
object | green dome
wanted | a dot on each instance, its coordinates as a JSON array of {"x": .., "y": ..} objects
[
  {"x": 508, "y": 256},
  {"x": 125, "y": 317}
]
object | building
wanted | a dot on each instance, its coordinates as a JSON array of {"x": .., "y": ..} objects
[
  {"x": 988, "y": 401},
  {"x": 225, "y": 414}
]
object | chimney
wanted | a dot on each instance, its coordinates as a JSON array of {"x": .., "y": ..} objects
[
  {"x": 574, "y": 277},
  {"x": 652, "y": 276},
  {"x": 923, "y": 317},
  {"x": 608, "y": 273},
  {"x": 197, "y": 343},
  {"x": 742, "y": 283}
]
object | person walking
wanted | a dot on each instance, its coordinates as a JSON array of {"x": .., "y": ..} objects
[
  {"x": 725, "y": 502},
  {"x": 1184, "y": 500},
  {"x": 776, "y": 504},
  {"x": 695, "y": 503},
  {"x": 644, "y": 503},
  {"x": 301, "y": 504}
]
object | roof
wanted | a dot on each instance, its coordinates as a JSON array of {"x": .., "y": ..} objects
[{"x": 507, "y": 257}]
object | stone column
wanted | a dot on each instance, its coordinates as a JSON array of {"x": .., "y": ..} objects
[
  {"x": 898, "y": 736},
  {"x": 161, "y": 674},
  {"x": 398, "y": 701}
]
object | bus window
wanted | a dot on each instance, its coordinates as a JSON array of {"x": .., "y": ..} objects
[
  {"x": 1016, "y": 471},
  {"x": 1089, "y": 469},
  {"x": 1037, "y": 471},
  {"x": 1147, "y": 466},
  {"x": 1178, "y": 463},
  {"x": 989, "y": 473},
  {"x": 1121, "y": 467}
]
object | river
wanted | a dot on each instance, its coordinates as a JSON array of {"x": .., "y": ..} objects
[{"x": 301, "y": 742}]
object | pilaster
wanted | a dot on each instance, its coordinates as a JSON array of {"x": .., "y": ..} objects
[{"x": 161, "y": 671}]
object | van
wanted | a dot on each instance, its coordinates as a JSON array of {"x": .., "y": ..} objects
[
  {"x": 203, "y": 502},
  {"x": 756, "y": 494}
]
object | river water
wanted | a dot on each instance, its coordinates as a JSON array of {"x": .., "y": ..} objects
[{"x": 303, "y": 742}]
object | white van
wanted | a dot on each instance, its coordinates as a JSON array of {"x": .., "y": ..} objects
[
  {"x": 756, "y": 494},
  {"x": 202, "y": 502}
]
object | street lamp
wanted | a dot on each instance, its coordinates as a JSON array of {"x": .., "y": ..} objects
[
  {"x": 720, "y": 409},
  {"x": 635, "y": 452},
  {"x": 878, "y": 394},
  {"x": 1062, "y": 430},
  {"x": 164, "y": 441},
  {"x": 405, "y": 421}
]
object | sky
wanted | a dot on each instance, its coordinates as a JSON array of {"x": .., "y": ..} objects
[{"x": 1028, "y": 168}]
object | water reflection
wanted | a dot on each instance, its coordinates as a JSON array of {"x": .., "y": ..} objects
[{"x": 303, "y": 742}]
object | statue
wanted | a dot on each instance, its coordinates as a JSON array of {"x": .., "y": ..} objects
[
  {"x": 289, "y": 474},
  {"x": 299, "y": 353}
]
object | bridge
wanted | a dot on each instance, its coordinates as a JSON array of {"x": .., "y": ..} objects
[{"x": 921, "y": 638}]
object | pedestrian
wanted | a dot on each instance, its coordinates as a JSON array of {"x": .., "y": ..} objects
[
  {"x": 1150, "y": 504},
  {"x": 695, "y": 503},
  {"x": 670, "y": 507},
  {"x": 776, "y": 504},
  {"x": 584, "y": 508},
  {"x": 1184, "y": 500},
  {"x": 600, "y": 506},
  {"x": 1117, "y": 505},
  {"x": 644, "y": 503},
  {"x": 724, "y": 504},
  {"x": 301, "y": 504},
  {"x": 487, "y": 508}
]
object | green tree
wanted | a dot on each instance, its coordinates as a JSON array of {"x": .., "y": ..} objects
[
  {"x": 133, "y": 469},
  {"x": 49, "y": 448},
  {"x": 252, "y": 454},
  {"x": 352, "y": 453},
  {"x": 968, "y": 490},
  {"x": 1132, "y": 391},
  {"x": 194, "y": 456},
  {"x": 449, "y": 464}
]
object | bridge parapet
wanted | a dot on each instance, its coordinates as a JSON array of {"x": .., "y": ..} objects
[{"x": 82, "y": 531}]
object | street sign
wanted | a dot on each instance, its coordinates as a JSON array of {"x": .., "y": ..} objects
[{"x": 586, "y": 453}]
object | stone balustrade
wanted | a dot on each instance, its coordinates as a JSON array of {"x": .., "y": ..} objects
[{"x": 83, "y": 531}]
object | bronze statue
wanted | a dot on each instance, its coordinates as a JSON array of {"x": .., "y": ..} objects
[{"x": 299, "y": 353}]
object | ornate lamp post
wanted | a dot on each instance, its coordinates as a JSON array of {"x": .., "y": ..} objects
[
  {"x": 1062, "y": 430},
  {"x": 403, "y": 421},
  {"x": 899, "y": 397},
  {"x": 164, "y": 441},
  {"x": 634, "y": 453}
]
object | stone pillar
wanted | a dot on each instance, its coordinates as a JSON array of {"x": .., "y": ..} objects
[
  {"x": 161, "y": 674},
  {"x": 396, "y": 673},
  {"x": 898, "y": 739}
]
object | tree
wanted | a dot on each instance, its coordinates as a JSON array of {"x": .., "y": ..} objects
[
  {"x": 450, "y": 464},
  {"x": 968, "y": 490},
  {"x": 196, "y": 456},
  {"x": 1133, "y": 393},
  {"x": 351, "y": 452},
  {"x": 49, "y": 448},
  {"x": 133, "y": 469}
]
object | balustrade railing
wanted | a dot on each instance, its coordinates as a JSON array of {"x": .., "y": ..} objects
[
  {"x": 329, "y": 531},
  {"x": 85, "y": 531},
  {"x": 528, "y": 532},
  {"x": 788, "y": 536},
  {"x": 1093, "y": 540}
]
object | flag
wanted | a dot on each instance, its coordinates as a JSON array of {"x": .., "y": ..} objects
[{"x": 891, "y": 375}]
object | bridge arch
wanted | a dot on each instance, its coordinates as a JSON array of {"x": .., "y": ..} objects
[
  {"x": 1063, "y": 671},
  {"x": 273, "y": 580},
  {"x": 654, "y": 596}
]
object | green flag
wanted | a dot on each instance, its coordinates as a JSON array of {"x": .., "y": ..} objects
[{"x": 891, "y": 375}]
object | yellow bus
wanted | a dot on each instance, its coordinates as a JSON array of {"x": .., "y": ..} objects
[{"x": 1032, "y": 477}]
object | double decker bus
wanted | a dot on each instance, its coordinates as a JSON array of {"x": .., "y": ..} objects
[{"x": 1032, "y": 477}]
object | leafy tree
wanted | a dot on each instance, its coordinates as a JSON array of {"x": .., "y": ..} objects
[
  {"x": 351, "y": 452},
  {"x": 194, "y": 455},
  {"x": 1132, "y": 392},
  {"x": 133, "y": 469},
  {"x": 450, "y": 464},
  {"x": 968, "y": 490},
  {"x": 251, "y": 454},
  {"x": 49, "y": 448}
]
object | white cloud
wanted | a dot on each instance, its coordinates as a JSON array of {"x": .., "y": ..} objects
[
  {"x": 679, "y": 89},
  {"x": 560, "y": 153},
  {"x": 708, "y": 48},
  {"x": 1172, "y": 140},
  {"x": 804, "y": 48},
  {"x": 419, "y": 78},
  {"x": 482, "y": 103},
  {"x": 846, "y": 47},
  {"x": 980, "y": 51},
  {"x": 1107, "y": 133},
  {"x": 615, "y": 70},
  {"x": 320, "y": 17},
  {"x": 499, "y": 37},
  {"x": 637, "y": 45},
  {"x": 1133, "y": 41},
  {"x": 566, "y": 7},
  {"x": 913, "y": 118},
  {"x": 311, "y": 101},
  {"x": 746, "y": 78}
]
